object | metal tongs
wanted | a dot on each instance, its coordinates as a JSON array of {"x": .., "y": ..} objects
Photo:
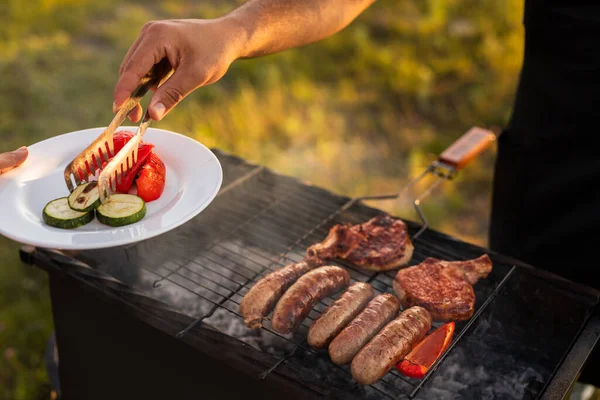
[
  {"x": 87, "y": 163},
  {"x": 446, "y": 167}
]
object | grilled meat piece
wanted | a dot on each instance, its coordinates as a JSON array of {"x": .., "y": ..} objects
[
  {"x": 380, "y": 244},
  {"x": 300, "y": 298},
  {"x": 381, "y": 310},
  {"x": 390, "y": 345},
  {"x": 339, "y": 314},
  {"x": 261, "y": 298},
  {"x": 444, "y": 288}
]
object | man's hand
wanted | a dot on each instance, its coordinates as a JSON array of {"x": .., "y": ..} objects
[
  {"x": 12, "y": 159},
  {"x": 200, "y": 52}
]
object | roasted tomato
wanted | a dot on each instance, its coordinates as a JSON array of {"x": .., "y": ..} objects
[
  {"x": 152, "y": 178},
  {"x": 120, "y": 139}
]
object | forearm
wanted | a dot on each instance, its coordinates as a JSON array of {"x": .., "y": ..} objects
[
  {"x": 269, "y": 26},
  {"x": 201, "y": 50}
]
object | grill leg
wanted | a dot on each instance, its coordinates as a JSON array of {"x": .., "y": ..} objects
[{"x": 51, "y": 356}]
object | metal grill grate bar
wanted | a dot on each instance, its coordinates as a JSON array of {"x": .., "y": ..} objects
[
  {"x": 283, "y": 255},
  {"x": 241, "y": 226}
]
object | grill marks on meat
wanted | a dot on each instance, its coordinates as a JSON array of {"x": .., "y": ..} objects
[
  {"x": 261, "y": 298},
  {"x": 444, "y": 288},
  {"x": 339, "y": 314},
  {"x": 390, "y": 345},
  {"x": 381, "y": 310},
  {"x": 300, "y": 298},
  {"x": 380, "y": 244}
]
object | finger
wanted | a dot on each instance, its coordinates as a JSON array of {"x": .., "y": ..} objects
[
  {"x": 130, "y": 52},
  {"x": 136, "y": 114},
  {"x": 183, "y": 81},
  {"x": 142, "y": 60},
  {"x": 13, "y": 159}
]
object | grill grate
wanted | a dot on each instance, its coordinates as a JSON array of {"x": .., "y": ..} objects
[
  {"x": 259, "y": 222},
  {"x": 267, "y": 222}
]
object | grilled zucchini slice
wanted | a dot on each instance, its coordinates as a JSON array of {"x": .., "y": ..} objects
[
  {"x": 121, "y": 209},
  {"x": 58, "y": 214},
  {"x": 85, "y": 197}
]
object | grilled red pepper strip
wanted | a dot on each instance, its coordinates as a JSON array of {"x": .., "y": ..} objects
[
  {"x": 144, "y": 150},
  {"x": 120, "y": 139},
  {"x": 423, "y": 355}
]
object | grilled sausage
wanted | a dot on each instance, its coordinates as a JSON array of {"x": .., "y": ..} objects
[
  {"x": 339, "y": 314},
  {"x": 261, "y": 298},
  {"x": 390, "y": 345},
  {"x": 300, "y": 298},
  {"x": 381, "y": 310}
]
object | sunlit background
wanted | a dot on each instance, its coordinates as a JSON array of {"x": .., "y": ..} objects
[{"x": 359, "y": 113}]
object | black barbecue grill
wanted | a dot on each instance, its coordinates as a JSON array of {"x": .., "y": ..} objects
[{"x": 159, "y": 319}]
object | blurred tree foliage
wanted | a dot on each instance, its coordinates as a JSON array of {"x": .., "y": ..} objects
[{"x": 358, "y": 113}]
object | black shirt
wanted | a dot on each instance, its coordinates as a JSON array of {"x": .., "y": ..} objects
[
  {"x": 546, "y": 200},
  {"x": 558, "y": 94}
]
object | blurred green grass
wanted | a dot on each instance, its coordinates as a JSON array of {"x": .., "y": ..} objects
[
  {"x": 358, "y": 113},
  {"x": 25, "y": 323}
]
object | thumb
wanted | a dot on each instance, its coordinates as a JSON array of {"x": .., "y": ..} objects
[
  {"x": 13, "y": 159},
  {"x": 172, "y": 91}
]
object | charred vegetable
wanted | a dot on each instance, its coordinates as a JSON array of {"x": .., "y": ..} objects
[
  {"x": 85, "y": 197},
  {"x": 121, "y": 209},
  {"x": 58, "y": 214}
]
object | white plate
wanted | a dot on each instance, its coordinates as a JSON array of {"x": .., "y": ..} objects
[{"x": 194, "y": 177}]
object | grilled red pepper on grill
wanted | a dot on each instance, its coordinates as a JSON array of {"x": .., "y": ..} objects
[
  {"x": 152, "y": 178},
  {"x": 423, "y": 355},
  {"x": 144, "y": 149}
]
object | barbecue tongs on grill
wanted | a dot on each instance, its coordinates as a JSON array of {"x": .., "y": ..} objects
[
  {"x": 453, "y": 159},
  {"x": 87, "y": 163}
]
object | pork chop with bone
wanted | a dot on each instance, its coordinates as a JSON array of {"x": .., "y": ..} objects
[{"x": 444, "y": 288}]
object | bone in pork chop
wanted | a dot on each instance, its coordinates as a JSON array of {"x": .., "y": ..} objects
[
  {"x": 380, "y": 244},
  {"x": 444, "y": 288}
]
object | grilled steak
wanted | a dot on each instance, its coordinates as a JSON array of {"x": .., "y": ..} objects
[
  {"x": 300, "y": 298},
  {"x": 381, "y": 310},
  {"x": 261, "y": 298},
  {"x": 390, "y": 345},
  {"x": 444, "y": 288},
  {"x": 380, "y": 244},
  {"x": 339, "y": 314}
]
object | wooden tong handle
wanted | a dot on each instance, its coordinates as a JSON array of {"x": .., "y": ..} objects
[{"x": 467, "y": 147}]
